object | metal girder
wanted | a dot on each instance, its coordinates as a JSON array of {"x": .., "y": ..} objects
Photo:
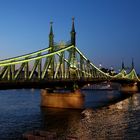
[
  {"x": 60, "y": 63},
  {"x": 19, "y": 71}
]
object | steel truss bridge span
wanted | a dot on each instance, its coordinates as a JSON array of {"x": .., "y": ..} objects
[{"x": 61, "y": 64}]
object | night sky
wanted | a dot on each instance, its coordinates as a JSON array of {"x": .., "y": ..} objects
[{"x": 108, "y": 31}]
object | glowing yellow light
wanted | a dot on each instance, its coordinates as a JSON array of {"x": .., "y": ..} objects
[
  {"x": 36, "y": 57},
  {"x": 23, "y": 56}
]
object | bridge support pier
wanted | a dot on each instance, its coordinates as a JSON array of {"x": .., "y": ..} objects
[
  {"x": 73, "y": 100},
  {"x": 129, "y": 87}
]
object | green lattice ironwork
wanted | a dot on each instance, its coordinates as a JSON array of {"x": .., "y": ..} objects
[
  {"x": 132, "y": 75},
  {"x": 58, "y": 61}
]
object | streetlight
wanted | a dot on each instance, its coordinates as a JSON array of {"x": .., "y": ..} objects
[{"x": 100, "y": 65}]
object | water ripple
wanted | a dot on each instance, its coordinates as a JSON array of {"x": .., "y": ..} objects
[{"x": 107, "y": 115}]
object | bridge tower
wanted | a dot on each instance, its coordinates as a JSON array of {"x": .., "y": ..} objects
[
  {"x": 123, "y": 69},
  {"x": 132, "y": 85},
  {"x": 72, "y": 55},
  {"x": 51, "y": 59}
]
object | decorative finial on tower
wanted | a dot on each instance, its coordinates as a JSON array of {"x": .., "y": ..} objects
[
  {"x": 51, "y": 29},
  {"x": 132, "y": 63},
  {"x": 51, "y": 23},
  {"x": 51, "y": 36},
  {"x": 122, "y": 64},
  {"x": 73, "y": 28},
  {"x": 73, "y": 33},
  {"x": 73, "y": 18}
]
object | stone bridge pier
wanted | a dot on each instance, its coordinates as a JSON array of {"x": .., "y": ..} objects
[
  {"x": 72, "y": 99},
  {"x": 131, "y": 87}
]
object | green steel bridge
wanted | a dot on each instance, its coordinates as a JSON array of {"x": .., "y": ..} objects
[{"x": 61, "y": 64}]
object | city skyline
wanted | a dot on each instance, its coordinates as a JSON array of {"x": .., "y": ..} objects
[{"x": 107, "y": 32}]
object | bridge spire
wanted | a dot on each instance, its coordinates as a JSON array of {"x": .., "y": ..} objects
[
  {"x": 73, "y": 33},
  {"x": 122, "y": 64},
  {"x": 51, "y": 35},
  {"x": 132, "y": 63}
]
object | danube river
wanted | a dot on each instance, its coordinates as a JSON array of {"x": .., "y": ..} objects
[{"x": 107, "y": 115}]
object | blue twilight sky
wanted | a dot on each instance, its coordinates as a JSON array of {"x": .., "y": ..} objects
[{"x": 108, "y": 31}]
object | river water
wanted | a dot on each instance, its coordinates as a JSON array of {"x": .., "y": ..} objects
[{"x": 107, "y": 115}]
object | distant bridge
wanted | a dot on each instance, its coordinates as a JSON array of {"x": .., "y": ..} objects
[{"x": 59, "y": 65}]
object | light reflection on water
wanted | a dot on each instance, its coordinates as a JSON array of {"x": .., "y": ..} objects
[{"x": 118, "y": 118}]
